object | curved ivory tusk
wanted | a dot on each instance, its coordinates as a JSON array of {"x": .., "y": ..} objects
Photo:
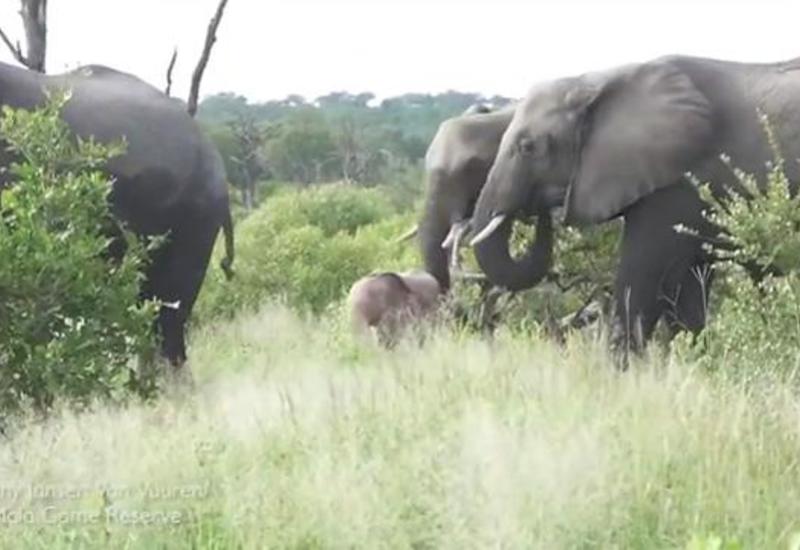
[
  {"x": 410, "y": 234},
  {"x": 454, "y": 257},
  {"x": 457, "y": 230},
  {"x": 488, "y": 230},
  {"x": 451, "y": 237}
]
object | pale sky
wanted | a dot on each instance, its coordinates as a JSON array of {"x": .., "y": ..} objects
[{"x": 268, "y": 49}]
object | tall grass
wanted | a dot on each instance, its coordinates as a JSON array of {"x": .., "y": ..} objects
[{"x": 296, "y": 438}]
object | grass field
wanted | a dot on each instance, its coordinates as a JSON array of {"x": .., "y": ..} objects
[{"x": 296, "y": 438}]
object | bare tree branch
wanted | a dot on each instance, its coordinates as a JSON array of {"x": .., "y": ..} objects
[
  {"x": 197, "y": 76},
  {"x": 16, "y": 51},
  {"x": 34, "y": 20},
  {"x": 172, "y": 61},
  {"x": 470, "y": 277}
]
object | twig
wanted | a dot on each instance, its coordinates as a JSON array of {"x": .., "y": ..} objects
[
  {"x": 16, "y": 51},
  {"x": 469, "y": 277},
  {"x": 169, "y": 71},
  {"x": 555, "y": 278}
]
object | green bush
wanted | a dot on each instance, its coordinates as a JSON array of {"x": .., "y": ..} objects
[
  {"x": 584, "y": 263},
  {"x": 333, "y": 208},
  {"x": 69, "y": 317},
  {"x": 754, "y": 328},
  {"x": 307, "y": 247}
]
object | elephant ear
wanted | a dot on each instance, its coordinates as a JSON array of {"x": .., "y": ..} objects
[
  {"x": 645, "y": 128},
  {"x": 477, "y": 109}
]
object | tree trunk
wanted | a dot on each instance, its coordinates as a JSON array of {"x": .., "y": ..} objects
[
  {"x": 247, "y": 197},
  {"x": 34, "y": 18}
]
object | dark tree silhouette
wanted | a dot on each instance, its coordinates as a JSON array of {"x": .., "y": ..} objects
[
  {"x": 211, "y": 38},
  {"x": 34, "y": 20}
]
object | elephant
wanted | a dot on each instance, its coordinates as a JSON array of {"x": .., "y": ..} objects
[
  {"x": 384, "y": 304},
  {"x": 627, "y": 142},
  {"x": 456, "y": 165},
  {"x": 169, "y": 181}
]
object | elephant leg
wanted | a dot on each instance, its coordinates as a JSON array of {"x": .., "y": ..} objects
[
  {"x": 688, "y": 305},
  {"x": 175, "y": 279},
  {"x": 387, "y": 331},
  {"x": 636, "y": 304},
  {"x": 163, "y": 285},
  {"x": 654, "y": 259}
]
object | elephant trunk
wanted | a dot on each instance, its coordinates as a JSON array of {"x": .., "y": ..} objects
[
  {"x": 433, "y": 230},
  {"x": 503, "y": 270}
]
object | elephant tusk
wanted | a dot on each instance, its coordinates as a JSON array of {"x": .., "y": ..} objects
[
  {"x": 451, "y": 237},
  {"x": 457, "y": 230},
  {"x": 455, "y": 261},
  {"x": 487, "y": 231},
  {"x": 176, "y": 305},
  {"x": 453, "y": 241},
  {"x": 410, "y": 234}
]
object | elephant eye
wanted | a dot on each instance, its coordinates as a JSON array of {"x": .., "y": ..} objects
[
  {"x": 538, "y": 147},
  {"x": 526, "y": 146}
]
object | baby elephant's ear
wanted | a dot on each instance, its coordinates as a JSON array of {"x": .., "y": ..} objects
[
  {"x": 477, "y": 109},
  {"x": 647, "y": 128}
]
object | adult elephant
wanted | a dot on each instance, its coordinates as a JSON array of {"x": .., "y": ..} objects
[
  {"x": 620, "y": 143},
  {"x": 170, "y": 180},
  {"x": 456, "y": 165}
]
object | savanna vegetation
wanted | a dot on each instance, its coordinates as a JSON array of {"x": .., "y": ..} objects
[
  {"x": 298, "y": 437},
  {"x": 338, "y": 136}
]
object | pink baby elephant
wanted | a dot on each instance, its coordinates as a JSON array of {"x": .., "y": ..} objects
[{"x": 383, "y": 305}]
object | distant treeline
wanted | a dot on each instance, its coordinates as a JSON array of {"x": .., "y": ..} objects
[{"x": 339, "y": 136}]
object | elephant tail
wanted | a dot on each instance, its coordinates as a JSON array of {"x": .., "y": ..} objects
[{"x": 227, "y": 228}]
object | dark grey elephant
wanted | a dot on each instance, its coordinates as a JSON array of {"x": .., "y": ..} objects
[
  {"x": 456, "y": 165},
  {"x": 620, "y": 143},
  {"x": 170, "y": 180}
]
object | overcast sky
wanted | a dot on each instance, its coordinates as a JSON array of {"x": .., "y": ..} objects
[{"x": 270, "y": 48}]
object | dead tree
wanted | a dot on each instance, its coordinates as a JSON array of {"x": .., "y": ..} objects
[
  {"x": 211, "y": 38},
  {"x": 250, "y": 139},
  {"x": 353, "y": 154},
  {"x": 34, "y": 20}
]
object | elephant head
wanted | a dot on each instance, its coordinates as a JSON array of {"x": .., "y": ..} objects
[
  {"x": 457, "y": 163},
  {"x": 594, "y": 144}
]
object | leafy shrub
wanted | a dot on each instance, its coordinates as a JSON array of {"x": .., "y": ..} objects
[
  {"x": 333, "y": 208},
  {"x": 755, "y": 326},
  {"x": 69, "y": 318},
  {"x": 307, "y": 247},
  {"x": 583, "y": 270}
]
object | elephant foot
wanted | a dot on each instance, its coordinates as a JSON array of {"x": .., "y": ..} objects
[
  {"x": 167, "y": 376},
  {"x": 180, "y": 376},
  {"x": 626, "y": 342}
]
